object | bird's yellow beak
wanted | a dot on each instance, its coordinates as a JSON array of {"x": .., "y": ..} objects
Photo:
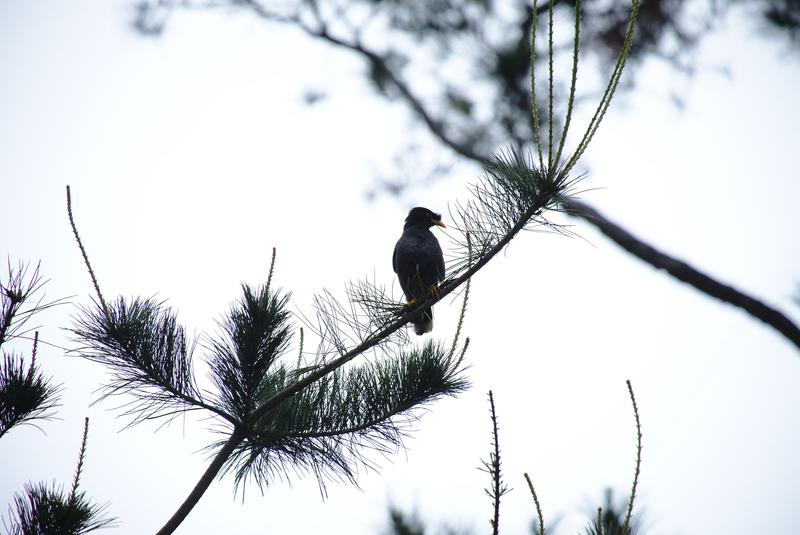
[{"x": 438, "y": 223}]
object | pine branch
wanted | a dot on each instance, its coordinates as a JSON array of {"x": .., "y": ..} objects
[
  {"x": 26, "y": 395},
  {"x": 148, "y": 355},
  {"x": 203, "y": 483},
  {"x": 255, "y": 334},
  {"x": 327, "y": 427},
  {"x": 299, "y": 417},
  {"x": 20, "y": 300}
]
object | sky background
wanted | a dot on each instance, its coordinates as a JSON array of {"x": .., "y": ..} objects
[{"x": 190, "y": 156}]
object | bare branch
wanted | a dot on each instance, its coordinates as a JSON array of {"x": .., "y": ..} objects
[{"x": 686, "y": 273}]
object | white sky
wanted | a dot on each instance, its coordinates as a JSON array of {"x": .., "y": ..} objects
[{"x": 192, "y": 155}]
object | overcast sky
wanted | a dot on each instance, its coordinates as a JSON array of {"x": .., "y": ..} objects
[{"x": 192, "y": 155}]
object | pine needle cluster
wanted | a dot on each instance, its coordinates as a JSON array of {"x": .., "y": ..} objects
[
  {"x": 26, "y": 395},
  {"x": 328, "y": 427},
  {"x": 54, "y": 510},
  {"x": 146, "y": 353}
]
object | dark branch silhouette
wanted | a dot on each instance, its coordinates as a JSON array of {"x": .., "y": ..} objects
[{"x": 686, "y": 273}]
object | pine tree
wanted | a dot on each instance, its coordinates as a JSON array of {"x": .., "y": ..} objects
[{"x": 280, "y": 409}]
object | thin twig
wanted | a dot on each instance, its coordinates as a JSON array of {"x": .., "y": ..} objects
[
  {"x": 626, "y": 526},
  {"x": 271, "y": 270},
  {"x": 536, "y": 503},
  {"x": 85, "y": 257},
  {"x": 550, "y": 86},
  {"x": 537, "y": 136},
  {"x": 300, "y": 351},
  {"x": 34, "y": 351},
  {"x": 574, "y": 82},
  {"x": 463, "y": 304},
  {"x": 493, "y": 468},
  {"x": 79, "y": 469}
]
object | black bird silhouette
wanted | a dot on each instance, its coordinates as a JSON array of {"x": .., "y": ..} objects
[{"x": 419, "y": 263}]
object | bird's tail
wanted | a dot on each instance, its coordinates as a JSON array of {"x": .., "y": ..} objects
[{"x": 423, "y": 322}]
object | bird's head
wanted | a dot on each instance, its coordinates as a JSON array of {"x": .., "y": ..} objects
[{"x": 422, "y": 217}]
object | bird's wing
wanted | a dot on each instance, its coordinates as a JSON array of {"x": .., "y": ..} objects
[
  {"x": 439, "y": 263},
  {"x": 406, "y": 263}
]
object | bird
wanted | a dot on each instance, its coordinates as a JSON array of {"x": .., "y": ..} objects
[{"x": 419, "y": 263}]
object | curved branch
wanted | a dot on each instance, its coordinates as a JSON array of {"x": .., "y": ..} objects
[
  {"x": 202, "y": 485},
  {"x": 380, "y": 64},
  {"x": 686, "y": 273}
]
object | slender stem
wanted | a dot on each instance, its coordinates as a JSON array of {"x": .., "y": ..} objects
[
  {"x": 550, "y": 88},
  {"x": 300, "y": 351},
  {"x": 81, "y": 457},
  {"x": 536, "y": 503},
  {"x": 613, "y": 81},
  {"x": 202, "y": 485},
  {"x": 626, "y": 526},
  {"x": 494, "y": 467},
  {"x": 14, "y": 297},
  {"x": 85, "y": 256},
  {"x": 460, "y": 323},
  {"x": 34, "y": 351},
  {"x": 271, "y": 270},
  {"x": 534, "y": 106},
  {"x": 574, "y": 82}
]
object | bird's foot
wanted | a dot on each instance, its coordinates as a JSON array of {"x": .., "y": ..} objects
[{"x": 435, "y": 290}]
